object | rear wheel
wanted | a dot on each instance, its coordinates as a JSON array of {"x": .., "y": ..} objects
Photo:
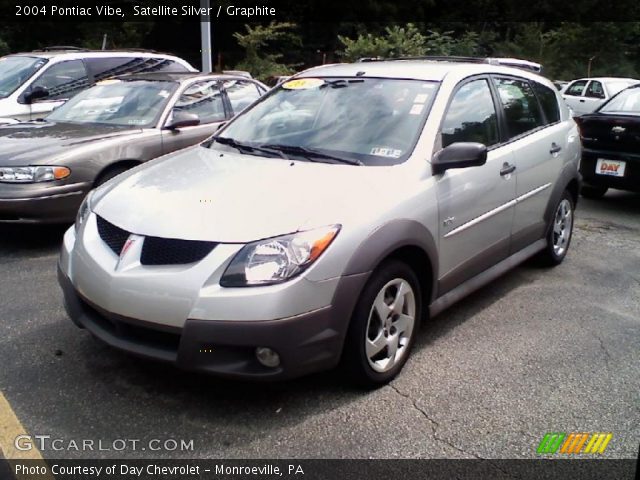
[
  {"x": 384, "y": 325},
  {"x": 589, "y": 191},
  {"x": 560, "y": 232}
]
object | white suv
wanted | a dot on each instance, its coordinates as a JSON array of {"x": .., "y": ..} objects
[
  {"x": 586, "y": 95},
  {"x": 33, "y": 84}
]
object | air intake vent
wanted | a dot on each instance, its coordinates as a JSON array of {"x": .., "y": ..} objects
[
  {"x": 113, "y": 236},
  {"x": 168, "y": 251}
]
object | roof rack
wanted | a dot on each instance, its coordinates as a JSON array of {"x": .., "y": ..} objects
[
  {"x": 55, "y": 48},
  {"x": 510, "y": 62}
]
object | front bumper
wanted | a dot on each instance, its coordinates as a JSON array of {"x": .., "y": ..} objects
[
  {"x": 41, "y": 203},
  {"x": 306, "y": 343}
]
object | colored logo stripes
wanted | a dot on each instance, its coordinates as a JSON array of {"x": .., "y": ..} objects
[{"x": 574, "y": 443}]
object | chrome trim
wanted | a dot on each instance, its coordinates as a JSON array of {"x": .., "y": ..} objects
[
  {"x": 497, "y": 210},
  {"x": 481, "y": 218}
]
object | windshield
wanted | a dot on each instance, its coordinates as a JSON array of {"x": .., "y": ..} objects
[
  {"x": 370, "y": 121},
  {"x": 627, "y": 101},
  {"x": 15, "y": 70},
  {"x": 115, "y": 102}
]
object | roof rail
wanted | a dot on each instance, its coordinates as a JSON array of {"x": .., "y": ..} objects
[
  {"x": 55, "y": 48},
  {"x": 141, "y": 50},
  {"x": 510, "y": 62}
]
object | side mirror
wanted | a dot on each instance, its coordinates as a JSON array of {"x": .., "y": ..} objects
[
  {"x": 181, "y": 120},
  {"x": 36, "y": 93},
  {"x": 459, "y": 155}
]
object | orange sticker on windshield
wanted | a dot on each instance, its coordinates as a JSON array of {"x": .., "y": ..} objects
[{"x": 302, "y": 83}]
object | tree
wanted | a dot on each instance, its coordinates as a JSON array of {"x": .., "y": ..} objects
[
  {"x": 407, "y": 42},
  {"x": 395, "y": 42},
  {"x": 257, "y": 61}
]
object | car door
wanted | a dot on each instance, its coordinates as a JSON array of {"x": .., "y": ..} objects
[
  {"x": 62, "y": 81},
  {"x": 594, "y": 96},
  {"x": 573, "y": 95},
  {"x": 475, "y": 204},
  {"x": 203, "y": 98},
  {"x": 539, "y": 141}
]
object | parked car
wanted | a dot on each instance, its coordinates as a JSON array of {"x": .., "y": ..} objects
[
  {"x": 48, "y": 166},
  {"x": 611, "y": 145},
  {"x": 326, "y": 221},
  {"x": 560, "y": 84},
  {"x": 585, "y": 95},
  {"x": 33, "y": 84}
]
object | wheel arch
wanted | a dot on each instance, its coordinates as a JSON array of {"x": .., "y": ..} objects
[
  {"x": 405, "y": 240},
  {"x": 124, "y": 164},
  {"x": 568, "y": 180}
]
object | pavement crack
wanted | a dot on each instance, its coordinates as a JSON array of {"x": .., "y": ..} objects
[
  {"x": 434, "y": 428},
  {"x": 603, "y": 347}
]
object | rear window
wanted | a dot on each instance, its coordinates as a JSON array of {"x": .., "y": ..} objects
[
  {"x": 521, "y": 110},
  {"x": 104, "y": 68},
  {"x": 627, "y": 101},
  {"x": 548, "y": 101}
]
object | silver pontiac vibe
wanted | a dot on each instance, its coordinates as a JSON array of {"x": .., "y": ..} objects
[{"x": 324, "y": 223}]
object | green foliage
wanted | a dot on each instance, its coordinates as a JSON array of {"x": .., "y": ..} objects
[
  {"x": 256, "y": 40},
  {"x": 406, "y": 42},
  {"x": 4, "y": 48},
  {"x": 395, "y": 42}
]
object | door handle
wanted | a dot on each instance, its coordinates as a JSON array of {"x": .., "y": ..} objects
[
  {"x": 581, "y": 101},
  {"x": 507, "y": 169},
  {"x": 555, "y": 148}
]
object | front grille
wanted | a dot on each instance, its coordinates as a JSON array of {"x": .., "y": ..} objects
[
  {"x": 168, "y": 251},
  {"x": 113, "y": 236}
]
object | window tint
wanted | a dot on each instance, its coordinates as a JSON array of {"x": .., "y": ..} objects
[
  {"x": 521, "y": 110},
  {"x": 63, "y": 80},
  {"x": 107, "y": 67},
  {"x": 204, "y": 100},
  {"x": 241, "y": 93},
  {"x": 471, "y": 116},
  {"x": 549, "y": 102},
  {"x": 576, "y": 88},
  {"x": 594, "y": 90}
]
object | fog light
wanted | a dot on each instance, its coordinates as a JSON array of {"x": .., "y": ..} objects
[{"x": 267, "y": 357}]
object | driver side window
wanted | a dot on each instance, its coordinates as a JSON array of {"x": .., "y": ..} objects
[{"x": 471, "y": 116}]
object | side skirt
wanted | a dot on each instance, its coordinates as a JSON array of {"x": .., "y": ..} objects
[{"x": 485, "y": 277}]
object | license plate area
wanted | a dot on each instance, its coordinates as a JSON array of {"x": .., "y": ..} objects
[{"x": 612, "y": 168}]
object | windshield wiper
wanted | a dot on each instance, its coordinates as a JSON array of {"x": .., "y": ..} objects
[
  {"x": 246, "y": 148},
  {"x": 310, "y": 153}
]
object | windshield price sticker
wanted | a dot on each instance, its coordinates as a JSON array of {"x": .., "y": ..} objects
[{"x": 303, "y": 83}]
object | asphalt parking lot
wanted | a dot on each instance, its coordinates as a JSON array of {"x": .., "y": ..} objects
[{"x": 537, "y": 351}]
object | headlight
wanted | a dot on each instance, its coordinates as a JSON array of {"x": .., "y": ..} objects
[
  {"x": 279, "y": 259},
  {"x": 33, "y": 174},
  {"x": 83, "y": 211}
]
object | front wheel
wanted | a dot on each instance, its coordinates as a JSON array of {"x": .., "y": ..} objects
[
  {"x": 560, "y": 232},
  {"x": 384, "y": 325}
]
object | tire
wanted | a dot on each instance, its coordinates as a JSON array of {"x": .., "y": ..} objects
[
  {"x": 109, "y": 174},
  {"x": 560, "y": 232},
  {"x": 370, "y": 333},
  {"x": 589, "y": 191}
]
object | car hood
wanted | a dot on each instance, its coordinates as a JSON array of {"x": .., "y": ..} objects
[
  {"x": 204, "y": 194},
  {"x": 32, "y": 143}
]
